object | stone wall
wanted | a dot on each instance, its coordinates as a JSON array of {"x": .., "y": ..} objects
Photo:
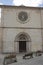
[
  {"x": 42, "y": 26},
  {"x": 12, "y": 27}
]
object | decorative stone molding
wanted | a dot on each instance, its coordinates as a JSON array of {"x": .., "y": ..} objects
[
  {"x": 23, "y": 17},
  {"x": 22, "y": 35}
]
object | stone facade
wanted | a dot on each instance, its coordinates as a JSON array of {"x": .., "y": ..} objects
[{"x": 14, "y": 31}]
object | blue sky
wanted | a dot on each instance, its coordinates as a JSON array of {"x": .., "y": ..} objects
[
  {"x": 34, "y": 3},
  {"x": 6, "y": 2}
]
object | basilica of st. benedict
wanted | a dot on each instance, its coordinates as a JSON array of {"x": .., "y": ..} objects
[{"x": 21, "y": 29}]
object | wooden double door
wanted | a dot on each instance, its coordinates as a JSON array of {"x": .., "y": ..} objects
[{"x": 22, "y": 46}]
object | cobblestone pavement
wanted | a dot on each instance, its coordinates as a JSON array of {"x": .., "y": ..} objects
[{"x": 21, "y": 61}]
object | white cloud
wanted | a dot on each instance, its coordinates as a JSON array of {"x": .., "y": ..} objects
[
  {"x": 0, "y": 12},
  {"x": 27, "y": 2},
  {"x": 1, "y": 3}
]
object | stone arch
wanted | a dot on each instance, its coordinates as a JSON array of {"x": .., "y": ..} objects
[
  {"x": 24, "y": 39},
  {"x": 27, "y": 37}
]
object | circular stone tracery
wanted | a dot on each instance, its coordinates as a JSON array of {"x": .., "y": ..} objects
[{"x": 23, "y": 16}]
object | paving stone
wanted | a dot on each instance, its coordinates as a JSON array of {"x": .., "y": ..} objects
[{"x": 34, "y": 61}]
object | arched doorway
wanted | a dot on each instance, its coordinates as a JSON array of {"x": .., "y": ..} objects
[{"x": 23, "y": 42}]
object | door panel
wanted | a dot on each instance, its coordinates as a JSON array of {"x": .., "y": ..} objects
[{"x": 22, "y": 46}]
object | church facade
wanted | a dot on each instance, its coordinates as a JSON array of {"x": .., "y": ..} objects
[{"x": 21, "y": 29}]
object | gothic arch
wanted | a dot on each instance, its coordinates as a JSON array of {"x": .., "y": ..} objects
[
  {"x": 23, "y": 35},
  {"x": 23, "y": 39}
]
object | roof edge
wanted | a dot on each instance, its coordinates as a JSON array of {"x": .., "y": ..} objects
[{"x": 1, "y": 6}]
